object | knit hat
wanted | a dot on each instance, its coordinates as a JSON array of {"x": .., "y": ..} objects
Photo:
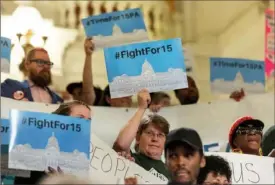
[{"x": 246, "y": 120}]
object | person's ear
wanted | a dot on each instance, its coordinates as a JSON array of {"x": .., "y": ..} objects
[
  {"x": 203, "y": 162},
  {"x": 137, "y": 138},
  {"x": 27, "y": 64},
  {"x": 235, "y": 142}
]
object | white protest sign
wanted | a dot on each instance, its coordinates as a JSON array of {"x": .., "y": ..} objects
[
  {"x": 249, "y": 169},
  {"x": 216, "y": 116},
  {"x": 105, "y": 162}
]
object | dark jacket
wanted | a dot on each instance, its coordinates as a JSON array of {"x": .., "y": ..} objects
[
  {"x": 9, "y": 87},
  {"x": 33, "y": 179}
]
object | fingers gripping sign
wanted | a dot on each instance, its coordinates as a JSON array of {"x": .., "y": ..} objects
[
  {"x": 126, "y": 156},
  {"x": 144, "y": 99},
  {"x": 52, "y": 171},
  {"x": 89, "y": 46}
]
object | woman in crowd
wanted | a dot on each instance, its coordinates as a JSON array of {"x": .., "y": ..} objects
[
  {"x": 74, "y": 109},
  {"x": 150, "y": 135},
  {"x": 245, "y": 136}
]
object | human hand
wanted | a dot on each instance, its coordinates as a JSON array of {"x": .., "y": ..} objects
[
  {"x": 144, "y": 99},
  {"x": 89, "y": 46},
  {"x": 130, "y": 181},
  {"x": 126, "y": 155},
  {"x": 52, "y": 171},
  {"x": 237, "y": 95}
]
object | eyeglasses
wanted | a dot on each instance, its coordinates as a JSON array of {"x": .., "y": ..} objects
[
  {"x": 152, "y": 134},
  {"x": 41, "y": 63},
  {"x": 246, "y": 131}
]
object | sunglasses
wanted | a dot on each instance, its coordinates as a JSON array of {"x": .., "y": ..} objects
[
  {"x": 42, "y": 63},
  {"x": 246, "y": 131}
]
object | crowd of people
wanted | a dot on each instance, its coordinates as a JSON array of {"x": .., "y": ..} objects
[{"x": 185, "y": 161}]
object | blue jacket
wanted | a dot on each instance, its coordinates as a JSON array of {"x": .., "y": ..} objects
[{"x": 9, "y": 87}]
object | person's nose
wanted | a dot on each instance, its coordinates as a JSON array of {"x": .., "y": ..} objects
[
  {"x": 251, "y": 132},
  {"x": 181, "y": 161},
  {"x": 154, "y": 138},
  {"x": 46, "y": 67}
]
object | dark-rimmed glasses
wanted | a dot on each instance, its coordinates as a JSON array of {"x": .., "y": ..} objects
[{"x": 42, "y": 63}]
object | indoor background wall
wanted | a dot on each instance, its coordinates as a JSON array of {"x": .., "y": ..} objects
[
  {"x": 227, "y": 29},
  {"x": 207, "y": 28}
]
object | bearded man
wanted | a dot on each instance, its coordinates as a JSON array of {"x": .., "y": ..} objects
[{"x": 35, "y": 87}]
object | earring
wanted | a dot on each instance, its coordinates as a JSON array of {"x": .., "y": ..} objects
[{"x": 237, "y": 150}]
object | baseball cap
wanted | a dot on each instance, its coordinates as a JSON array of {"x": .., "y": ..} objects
[
  {"x": 185, "y": 135},
  {"x": 243, "y": 121}
]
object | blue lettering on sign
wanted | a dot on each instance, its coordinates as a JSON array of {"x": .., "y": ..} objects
[
  {"x": 228, "y": 148},
  {"x": 207, "y": 147},
  {"x": 5, "y": 131},
  {"x": 212, "y": 145}
]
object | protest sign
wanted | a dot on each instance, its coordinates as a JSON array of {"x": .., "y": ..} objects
[
  {"x": 108, "y": 127},
  {"x": 5, "y": 136},
  {"x": 249, "y": 169},
  {"x": 230, "y": 74},
  {"x": 5, "y": 131},
  {"x": 5, "y": 54},
  {"x": 40, "y": 140},
  {"x": 225, "y": 113},
  {"x": 116, "y": 28},
  {"x": 105, "y": 162},
  {"x": 269, "y": 41},
  {"x": 156, "y": 66}
]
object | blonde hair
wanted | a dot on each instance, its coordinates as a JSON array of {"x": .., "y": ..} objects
[{"x": 63, "y": 179}]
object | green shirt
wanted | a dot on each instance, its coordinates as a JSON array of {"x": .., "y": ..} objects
[{"x": 155, "y": 167}]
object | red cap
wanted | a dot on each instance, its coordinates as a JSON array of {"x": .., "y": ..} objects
[{"x": 237, "y": 123}]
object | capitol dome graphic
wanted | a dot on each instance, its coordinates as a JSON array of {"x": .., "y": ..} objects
[
  {"x": 125, "y": 85},
  {"x": 221, "y": 85},
  {"x": 27, "y": 158},
  {"x": 118, "y": 37}
]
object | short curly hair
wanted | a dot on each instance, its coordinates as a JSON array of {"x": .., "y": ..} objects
[
  {"x": 153, "y": 119},
  {"x": 217, "y": 165}
]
